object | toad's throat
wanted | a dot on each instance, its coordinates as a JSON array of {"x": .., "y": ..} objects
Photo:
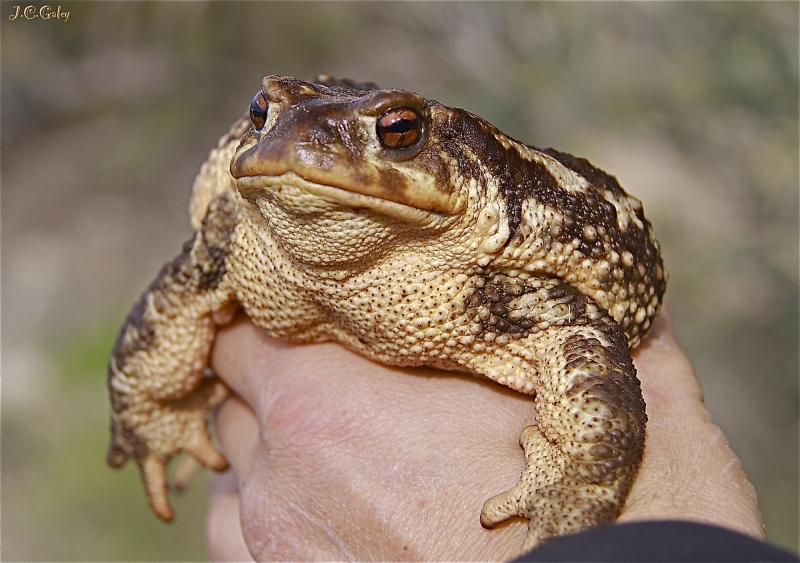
[{"x": 302, "y": 196}]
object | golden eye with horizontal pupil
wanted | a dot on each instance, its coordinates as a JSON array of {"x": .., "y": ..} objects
[
  {"x": 399, "y": 128},
  {"x": 258, "y": 110}
]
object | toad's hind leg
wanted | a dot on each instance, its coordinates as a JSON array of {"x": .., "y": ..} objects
[
  {"x": 158, "y": 377},
  {"x": 584, "y": 453}
]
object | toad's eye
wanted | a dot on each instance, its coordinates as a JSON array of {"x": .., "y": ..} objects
[
  {"x": 258, "y": 111},
  {"x": 399, "y": 128}
]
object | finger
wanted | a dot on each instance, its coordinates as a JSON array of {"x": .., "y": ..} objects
[
  {"x": 235, "y": 367},
  {"x": 665, "y": 371},
  {"x": 673, "y": 395},
  {"x": 252, "y": 364},
  {"x": 237, "y": 430},
  {"x": 224, "y": 539},
  {"x": 263, "y": 370},
  {"x": 689, "y": 471}
]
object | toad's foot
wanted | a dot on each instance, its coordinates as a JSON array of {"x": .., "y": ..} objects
[
  {"x": 555, "y": 497},
  {"x": 152, "y": 433}
]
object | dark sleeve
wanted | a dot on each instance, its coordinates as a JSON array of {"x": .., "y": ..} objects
[{"x": 657, "y": 541}]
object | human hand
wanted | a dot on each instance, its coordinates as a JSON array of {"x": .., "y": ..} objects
[{"x": 335, "y": 457}]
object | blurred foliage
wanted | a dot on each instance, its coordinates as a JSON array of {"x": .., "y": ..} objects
[{"x": 107, "y": 117}]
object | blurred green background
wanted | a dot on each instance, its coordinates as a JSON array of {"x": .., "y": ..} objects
[{"x": 107, "y": 117}]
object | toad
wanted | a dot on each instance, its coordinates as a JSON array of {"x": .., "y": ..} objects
[{"x": 414, "y": 234}]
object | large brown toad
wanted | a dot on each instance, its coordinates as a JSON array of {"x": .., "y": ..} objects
[{"x": 414, "y": 234}]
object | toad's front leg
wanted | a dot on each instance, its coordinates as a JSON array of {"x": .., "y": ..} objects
[
  {"x": 584, "y": 452},
  {"x": 160, "y": 384}
]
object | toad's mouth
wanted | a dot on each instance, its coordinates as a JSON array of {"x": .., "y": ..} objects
[{"x": 306, "y": 196}]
